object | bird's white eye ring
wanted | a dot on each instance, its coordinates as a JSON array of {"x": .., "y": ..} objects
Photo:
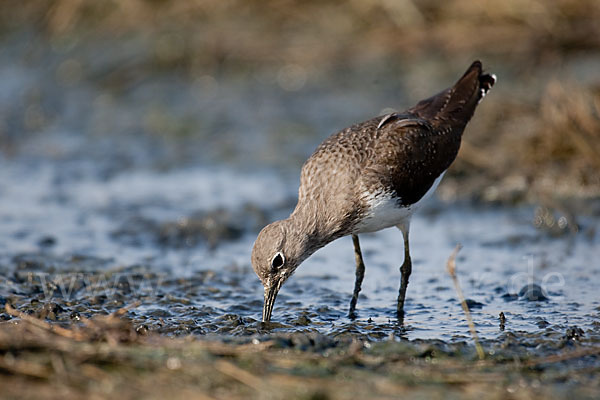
[{"x": 278, "y": 260}]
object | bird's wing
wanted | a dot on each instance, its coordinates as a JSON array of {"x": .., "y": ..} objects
[
  {"x": 403, "y": 120},
  {"x": 407, "y": 157}
]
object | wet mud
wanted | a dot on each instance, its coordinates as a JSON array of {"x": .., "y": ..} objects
[
  {"x": 188, "y": 271},
  {"x": 137, "y": 168}
]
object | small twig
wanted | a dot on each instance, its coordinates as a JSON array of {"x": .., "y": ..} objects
[
  {"x": 451, "y": 267},
  {"x": 564, "y": 357},
  {"x": 243, "y": 376},
  {"x": 39, "y": 323},
  {"x": 502, "y": 319},
  {"x": 20, "y": 367},
  {"x": 123, "y": 310}
]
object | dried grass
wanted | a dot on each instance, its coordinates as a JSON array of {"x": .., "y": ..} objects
[{"x": 105, "y": 358}]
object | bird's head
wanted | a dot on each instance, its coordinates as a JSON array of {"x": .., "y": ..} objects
[{"x": 275, "y": 257}]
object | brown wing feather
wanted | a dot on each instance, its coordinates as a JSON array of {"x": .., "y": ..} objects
[
  {"x": 403, "y": 152},
  {"x": 411, "y": 157},
  {"x": 455, "y": 106}
]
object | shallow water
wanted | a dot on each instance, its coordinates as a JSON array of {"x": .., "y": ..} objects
[
  {"x": 106, "y": 201},
  {"x": 175, "y": 247}
]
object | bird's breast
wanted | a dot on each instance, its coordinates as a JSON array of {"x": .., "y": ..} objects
[{"x": 383, "y": 209}]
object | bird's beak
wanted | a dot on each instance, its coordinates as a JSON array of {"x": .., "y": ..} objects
[{"x": 270, "y": 295}]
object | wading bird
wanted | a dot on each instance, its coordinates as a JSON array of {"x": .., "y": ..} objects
[{"x": 368, "y": 177}]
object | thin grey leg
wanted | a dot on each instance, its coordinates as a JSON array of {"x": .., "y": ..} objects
[
  {"x": 405, "y": 271},
  {"x": 360, "y": 274}
]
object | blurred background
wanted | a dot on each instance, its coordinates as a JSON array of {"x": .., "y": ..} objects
[
  {"x": 251, "y": 85},
  {"x": 144, "y": 143}
]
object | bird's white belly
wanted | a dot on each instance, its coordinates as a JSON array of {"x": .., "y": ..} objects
[{"x": 383, "y": 210}]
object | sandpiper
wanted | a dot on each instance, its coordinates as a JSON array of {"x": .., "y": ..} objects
[{"x": 368, "y": 177}]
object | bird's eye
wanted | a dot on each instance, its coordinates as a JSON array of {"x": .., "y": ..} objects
[{"x": 278, "y": 260}]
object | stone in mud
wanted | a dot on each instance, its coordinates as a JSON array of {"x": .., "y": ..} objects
[
  {"x": 302, "y": 320},
  {"x": 98, "y": 299},
  {"x": 47, "y": 241},
  {"x": 142, "y": 329},
  {"x": 50, "y": 311},
  {"x": 4, "y": 316},
  {"x": 510, "y": 296},
  {"x": 533, "y": 292},
  {"x": 232, "y": 320},
  {"x": 542, "y": 323},
  {"x": 573, "y": 333},
  {"x": 473, "y": 304}
]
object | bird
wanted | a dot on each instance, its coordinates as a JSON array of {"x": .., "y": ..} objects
[{"x": 371, "y": 176}]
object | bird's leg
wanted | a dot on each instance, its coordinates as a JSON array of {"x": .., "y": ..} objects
[
  {"x": 360, "y": 274},
  {"x": 405, "y": 271}
]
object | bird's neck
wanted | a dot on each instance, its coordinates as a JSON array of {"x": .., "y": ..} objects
[{"x": 306, "y": 232}]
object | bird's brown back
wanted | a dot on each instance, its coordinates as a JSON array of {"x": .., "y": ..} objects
[{"x": 400, "y": 153}]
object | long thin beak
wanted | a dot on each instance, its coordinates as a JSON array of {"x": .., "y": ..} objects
[{"x": 270, "y": 295}]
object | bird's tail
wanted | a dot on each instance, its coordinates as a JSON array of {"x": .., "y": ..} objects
[{"x": 455, "y": 106}]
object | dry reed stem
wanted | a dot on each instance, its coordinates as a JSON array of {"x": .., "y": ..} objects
[
  {"x": 451, "y": 267},
  {"x": 243, "y": 376}
]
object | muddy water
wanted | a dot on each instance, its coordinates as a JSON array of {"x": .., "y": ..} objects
[
  {"x": 141, "y": 194},
  {"x": 175, "y": 245}
]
